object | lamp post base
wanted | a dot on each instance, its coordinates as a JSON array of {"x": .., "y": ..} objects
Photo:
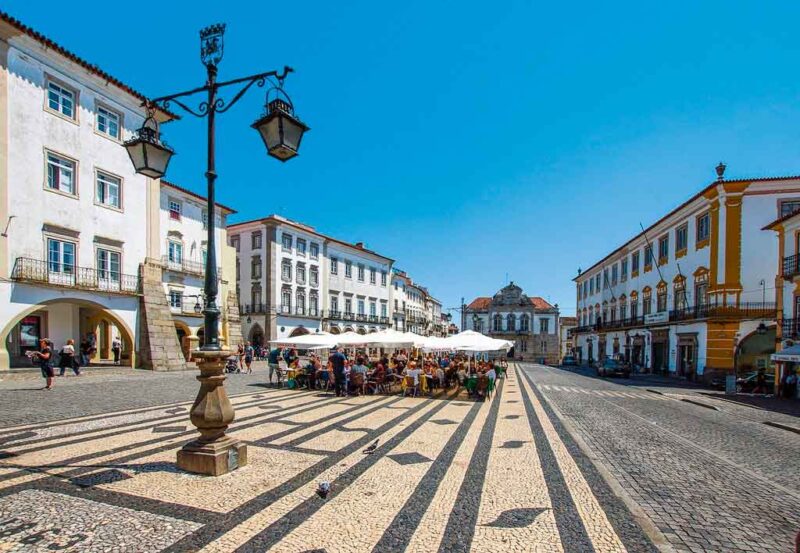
[{"x": 213, "y": 453}]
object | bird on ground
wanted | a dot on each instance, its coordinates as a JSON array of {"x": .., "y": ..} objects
[
  {"x": 323, "y": 489},
  {"x": 372, "y": 447}
]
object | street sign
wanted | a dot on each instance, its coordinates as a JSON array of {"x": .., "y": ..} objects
[{"x": 654, "y": 318}]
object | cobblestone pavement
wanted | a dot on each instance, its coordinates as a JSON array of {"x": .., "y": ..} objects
[
  {"x": 89, "y": 466},
  {"x": 711, "y": 475}
]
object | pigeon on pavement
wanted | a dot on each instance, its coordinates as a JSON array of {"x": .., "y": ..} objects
[{"x": 372, "y": 447}]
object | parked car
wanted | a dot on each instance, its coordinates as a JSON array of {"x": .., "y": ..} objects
[
  {"x": 612, "y": 367},
  {"x": 569, "y": 361},
  {"x": 747, "y": 382}
]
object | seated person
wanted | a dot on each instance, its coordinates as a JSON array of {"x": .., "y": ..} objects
[{"x": 413, "y": 372}]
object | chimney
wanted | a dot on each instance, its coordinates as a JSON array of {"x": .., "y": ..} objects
[{"x": 360, "y": 245}]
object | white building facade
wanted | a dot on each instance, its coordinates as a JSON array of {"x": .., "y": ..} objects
[
  {"x": 293, "y": 280},
  {"x": 686, "y": 296},
  {"x": 72, "y": 207},
  {"x": 531, "y": 323}
]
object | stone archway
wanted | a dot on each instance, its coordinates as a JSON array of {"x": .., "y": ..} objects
[
  {"x": 754, "y": 350},
  {"x": 94, "y": 320},
  {"x": 256, "y": 335},
  {"x": 184, "y": 337},
  {"x": 299, "y": 331},
  {"x": 335, "y": 330},
  {"x": 361, "y": 330}
]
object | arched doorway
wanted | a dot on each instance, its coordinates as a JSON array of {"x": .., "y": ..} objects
[
  {"x": 753, "y": 352},
  {"x": 348, "y": 329},
  {"x": 361, "y": 330},
  {"x": 61, "y": 319},
  {"x": 335, "y": 330},
  {"x": 201, "y": 336},
  {"x": 183, "y": 333},
  {"x": 299, "y": 331},
  {"x": 256, "y": 335}
]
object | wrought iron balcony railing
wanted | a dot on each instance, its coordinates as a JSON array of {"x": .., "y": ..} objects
[
  {"x": 790, "y": 328},
  {"x": 69, "y": 276},
  {"x": 791, "y": 267},
  {"x": 186, "y": 266}
]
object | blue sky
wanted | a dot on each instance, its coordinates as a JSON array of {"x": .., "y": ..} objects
[{"x": 470, "y": 140}]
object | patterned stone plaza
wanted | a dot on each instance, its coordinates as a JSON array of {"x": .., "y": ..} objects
[{"x": 447, "y": 474}]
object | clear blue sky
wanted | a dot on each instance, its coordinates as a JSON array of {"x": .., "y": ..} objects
[{"x": 469, "y": 140}]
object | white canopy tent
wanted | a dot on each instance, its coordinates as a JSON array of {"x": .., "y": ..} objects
[{"x": 467, "y": 341}]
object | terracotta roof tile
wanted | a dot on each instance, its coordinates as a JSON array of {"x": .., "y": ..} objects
[{"x": 479, "y": 304}]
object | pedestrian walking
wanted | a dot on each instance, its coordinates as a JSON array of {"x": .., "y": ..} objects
[
  {"x": 116, "y": 348},
  {"x": 44, "y": 357},
  {"x": 790, "y": 385},
  {"x": 272, "y": 361},
  {"x": 240, "y": 355},
  {"x": 68, "y": 359},
  {"x": 336, "y": 362},
  {"x": 248, "y": 357}
]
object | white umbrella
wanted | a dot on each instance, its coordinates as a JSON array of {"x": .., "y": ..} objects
[
  {"x": 469, "y": 340},
  {"x": 317, "y": 340}
]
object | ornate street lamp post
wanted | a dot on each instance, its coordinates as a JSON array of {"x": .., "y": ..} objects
[{"x": 213, "y": 452}]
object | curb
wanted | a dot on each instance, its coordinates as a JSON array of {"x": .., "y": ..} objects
[
  {"x": 782, "y": 426},
  {"x": 705, "y": 405},
  {"x": 647, "y": 525}
]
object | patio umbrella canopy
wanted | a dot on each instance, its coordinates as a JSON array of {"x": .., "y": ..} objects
[{"x": 318, "y": 340}]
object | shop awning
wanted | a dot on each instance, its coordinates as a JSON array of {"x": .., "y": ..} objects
[{"x": 790, "y": 354}]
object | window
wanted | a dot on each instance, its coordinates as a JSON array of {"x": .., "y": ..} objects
[
  {"x": 335, "y": 303},
  {"x": 680, "y": 296},
  {"x": 585, "y": 288},
  {"x": 614, "y": 274},
  {"x": 681, "y": 238},
  {"x": 314, "y": 250},
  {"x": 255, "y": 241},
  {"x": 300, "y": 302},
  {"x": 238, "y": 273},
  {"x": 175, "y": 299},
  {"x": 591, "y": 286},
  {"x": 661, "y": 299},
  {"x": 204, "y": 256},
  {"x": 384, "y": 310},
  {"x": 313, "y": 304},
  {"x": 334, "y": 266},
  {"x": 623, "y": 310},
  {"x": 107, "y": 122},
  {"x": 61, "y": 99},
  {"x": 634, "y": 308},
  {"x": 373, "y": 309},
  {"x": 663, "y": 249},
  {"x": 544, "y": 326},
  {"x": 175, "y": 209},
  {"x": 107, "y": 189},
  {"x": 286, "y": 300},
  {"x": 373, "y": 276},
  {"x": 348, "y": 269},
  {"x": 703, "y": 228},
  {"x": 361, "y": 273},
  {"x": 498, "y": 323},
  {"x": 108, "y": 265},
  {"x": 313, "y": 276},
  {"x": 61, "y": 174},
  {"x": 175, "y": 252},
  {"x": 60, "y": 256},
  {"x": 348, "y": 306},
  {"x": 235, "y": 242},
  {"x": 383, "y": 278},
  {"x": 648, "y": 257},
  {"x": 624, "y": 270},
  {"x": 286, "y": 242},
  {"x": 255, "y": 267},
  {"x": 605, "y": 279},
  {"x": 597, "y": 282},
  {"x": 789, "y": 206},
  {"x": 301, "y": 247},
  {"x": 286, "y": 270},
  {"x": 701, "y": 293},
  {"x": 511, "y": 322},
  {"x": 525, "y": 323},
  {"x": 301, "y": 273},
  {"x": 361, "y": 307},
  {"x": 635, "y": 263},
  {"x": 204, "y": 217}
]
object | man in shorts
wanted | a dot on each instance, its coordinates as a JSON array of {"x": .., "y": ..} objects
[{"x": 272, "y": 361}]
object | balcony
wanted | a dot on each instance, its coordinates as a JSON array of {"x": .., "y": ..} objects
[
  {"x": 334, "y": 314},
  {"x": 81, "y": 278},
  {"x": 791, "y": 267},
  {"x": 745, "y": 310},
  {"x": 185, "y": 266},
  {"x": 254, "y": 309},
  {"x": 790, "y": 328}
]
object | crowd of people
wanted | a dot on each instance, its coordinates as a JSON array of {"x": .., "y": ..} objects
[
  {"x": 359, "y": 373},
  {"x": 68, "y": 357}
]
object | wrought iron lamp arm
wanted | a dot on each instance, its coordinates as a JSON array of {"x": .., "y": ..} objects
[{"x": 220, "y": 105}]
